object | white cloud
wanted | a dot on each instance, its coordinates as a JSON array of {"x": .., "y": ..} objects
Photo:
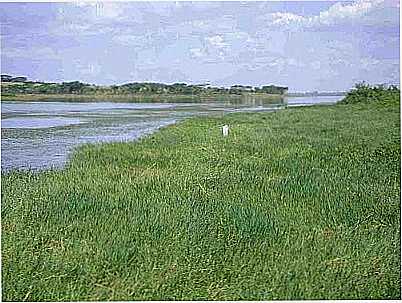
[
  {"x": 316, "y": 65},
  {"x": 287, "y": 18},
  {"x": 238, "y": 35},
  {"x": 362, "y": 11},
  {"x": 217, "y": 41},
  {"x": 111, "y": 10},
  {"x": 340, "y": 12},
  {"x": 148, "y": 37},
  {"x": 196, "y": 53},
  {"x": 198, "y": 24},
  {"x": 102, "y": 9},
  {"x": 369, "y": 63},
  {"x": 84, "y": 3},
  {"x": 130, "y": 40}
]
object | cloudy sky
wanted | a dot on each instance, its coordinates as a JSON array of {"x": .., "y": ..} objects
[{"x": 306, "y": 45}]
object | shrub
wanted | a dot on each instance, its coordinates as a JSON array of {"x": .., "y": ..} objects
[{"x": 365, "y": 93}]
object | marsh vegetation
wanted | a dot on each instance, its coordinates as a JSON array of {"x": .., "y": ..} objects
[{"x": 302, "y": 203}]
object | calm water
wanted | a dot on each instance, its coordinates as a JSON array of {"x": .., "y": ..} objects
[{"x": 40, "y": 135}]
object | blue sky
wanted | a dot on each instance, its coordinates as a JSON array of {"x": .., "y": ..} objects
[{"x": 306, "y": 45}]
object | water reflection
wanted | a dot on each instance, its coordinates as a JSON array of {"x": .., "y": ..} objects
[
  {"x": 40, "y": 135},
  {"x": 305, "y": 101},
  {"x": 23, "y": 122}
]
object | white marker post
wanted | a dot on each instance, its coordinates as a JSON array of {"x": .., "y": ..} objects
[{"x": 225, "y": 130}]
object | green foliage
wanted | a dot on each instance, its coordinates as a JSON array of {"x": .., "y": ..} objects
[
  {"x": 380, "y": 94},
  {"x": 296, "y": 204},
  {"x": 77, "y": 87},
  {"x": 272, "y": 89},
  {"x": 74, "y": 87},
  {"x": 8, "y": 78}
]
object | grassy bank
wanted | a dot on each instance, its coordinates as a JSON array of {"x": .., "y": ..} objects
[
  {"x": 175, "y": 98},
  {"x": 299, "y": 204}
]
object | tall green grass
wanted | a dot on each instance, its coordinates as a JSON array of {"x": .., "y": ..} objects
[{"x": 296, "y": 204}]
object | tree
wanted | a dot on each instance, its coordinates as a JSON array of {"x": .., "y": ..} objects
[
  {"x": 74, "y": 87},
  {"x": 18, "y": 79},
  {"x": 6, "y": 78}
]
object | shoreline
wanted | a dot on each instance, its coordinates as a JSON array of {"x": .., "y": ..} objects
[
  {"x": 61, "y": 166},
  {"x": 139, "y": 98}
]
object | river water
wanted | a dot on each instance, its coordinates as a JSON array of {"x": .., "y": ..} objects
[{"x": 41, "y": 135}]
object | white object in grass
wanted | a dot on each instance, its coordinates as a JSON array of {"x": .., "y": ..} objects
[{"x": 225, "y": 130}]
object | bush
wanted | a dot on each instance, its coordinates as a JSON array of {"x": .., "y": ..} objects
[{"x": 381, "y": 94}]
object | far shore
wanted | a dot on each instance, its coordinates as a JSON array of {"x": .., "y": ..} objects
[{"x": 141, "y": 97}]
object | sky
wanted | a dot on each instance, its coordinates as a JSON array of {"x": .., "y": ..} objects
[{"x": 305, "y": 45}]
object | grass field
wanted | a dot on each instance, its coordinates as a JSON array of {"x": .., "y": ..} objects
[{"x": 298, "y": 204}]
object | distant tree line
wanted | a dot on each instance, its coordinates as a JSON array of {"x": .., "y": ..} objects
[
  {"x": 20, "y": 85},
  {"x": 8, "y": 78}
]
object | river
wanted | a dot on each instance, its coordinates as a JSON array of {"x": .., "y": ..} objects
[{"x": 42, "y": 135}]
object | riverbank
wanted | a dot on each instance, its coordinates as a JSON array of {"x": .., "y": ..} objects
[
  {"x": 140, "y": 97},
  {"x": 302, "y": 203}
]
